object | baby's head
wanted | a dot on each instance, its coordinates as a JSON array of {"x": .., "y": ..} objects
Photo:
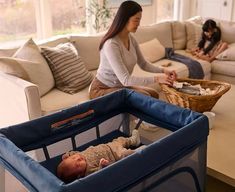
[{"x": 72, "y": 167}]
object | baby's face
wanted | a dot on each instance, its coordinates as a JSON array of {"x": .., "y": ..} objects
[{"x": 75, "y": 164}]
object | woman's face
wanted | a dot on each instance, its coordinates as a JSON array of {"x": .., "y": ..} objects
[{"x": 134, "y": 22}]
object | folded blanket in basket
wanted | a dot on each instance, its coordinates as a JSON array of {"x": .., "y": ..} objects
[
  {"x": 186, "y": 87},
  {"x": 194, "y": 67}
]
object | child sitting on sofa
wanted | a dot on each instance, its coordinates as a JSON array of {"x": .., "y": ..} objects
[
  {"x": 210, "y": 44},
  {"x": 79, "y": 164}
]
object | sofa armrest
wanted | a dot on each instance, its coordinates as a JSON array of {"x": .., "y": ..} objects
[{"x": 19, "y": 100}]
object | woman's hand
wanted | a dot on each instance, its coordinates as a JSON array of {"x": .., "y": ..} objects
[
  {"x": 164, "y": 79},
  {"x": 168, "y": 77},
  {"x": 171, "y": 74}
]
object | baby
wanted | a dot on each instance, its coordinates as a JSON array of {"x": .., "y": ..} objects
[{"x": 79, "y": 164}]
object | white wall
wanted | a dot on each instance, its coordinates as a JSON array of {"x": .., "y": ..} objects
[
  {"x": 233, "y": 11},
  {"x": 149, "y": 14},
  {"x": 188, "y": 9}
]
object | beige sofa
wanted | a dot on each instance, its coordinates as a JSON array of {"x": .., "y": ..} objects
[{"x": 23, "y": 100}]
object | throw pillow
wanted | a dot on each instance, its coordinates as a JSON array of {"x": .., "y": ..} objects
[
  {"x": 12, "y": 67},
  {"x": 194, "y": 32},
  {"x": 228, "y": 54},
  {"x": 67, "y": 67},
  {"x": 39, "y": 71},
  {"x": 152, "y": 50}
]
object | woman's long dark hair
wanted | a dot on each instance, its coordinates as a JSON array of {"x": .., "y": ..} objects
[{"x": 126, "y": 10}]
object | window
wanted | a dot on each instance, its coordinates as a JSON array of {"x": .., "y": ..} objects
[
  {"x": 68, "y": 16},
  {"x": 17, "y": 20},
  {"x": 40, "y": 19},
  {"x": 165, "y": 10}
]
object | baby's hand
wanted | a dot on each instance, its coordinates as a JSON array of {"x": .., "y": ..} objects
[{"x": 104, "y": 162}]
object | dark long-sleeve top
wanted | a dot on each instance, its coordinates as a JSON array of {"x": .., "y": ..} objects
[{"x": 214, "y": 39}]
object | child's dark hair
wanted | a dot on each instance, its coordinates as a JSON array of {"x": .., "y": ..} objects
[{"x": 209, "y": 25}]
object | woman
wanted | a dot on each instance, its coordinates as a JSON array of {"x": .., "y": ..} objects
[{"x": 119, "y": 53}]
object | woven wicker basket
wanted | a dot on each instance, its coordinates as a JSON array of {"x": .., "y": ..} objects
[{"x": 199, "y": 103}]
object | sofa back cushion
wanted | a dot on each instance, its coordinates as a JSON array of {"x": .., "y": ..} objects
[
  {"x": 227, "y": 31},
  {"x": 7, "y": 52},
  {"x": 68, "y": 68},
  {"x": 179, "y": 37},
  {"x": 88, "y": 49},
  {"x": 53, "y": 41},
  {"x": 161, "y": 31},
  {"x": 194, "y": 32},
  {"x": 36, "y": 66}
]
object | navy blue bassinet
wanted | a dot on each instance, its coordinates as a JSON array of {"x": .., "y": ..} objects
[{"x": 175, "y": 162}]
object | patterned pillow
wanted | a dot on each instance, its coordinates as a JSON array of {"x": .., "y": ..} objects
[{"x": 67, "y": 67}]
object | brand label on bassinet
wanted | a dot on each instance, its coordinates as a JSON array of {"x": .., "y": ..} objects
[{"x": 73, "y": 120}]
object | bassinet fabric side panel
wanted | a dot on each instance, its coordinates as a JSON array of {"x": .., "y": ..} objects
[
  {"x": 25, "y": 169},
  {"x": 190, "y": 130}
]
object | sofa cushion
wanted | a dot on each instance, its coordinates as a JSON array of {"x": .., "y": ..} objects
[
  {"x": 40, "y": 74},
  {"x": 228, "y": 54},
  {"x": 228, "y": 31},
  {"x": 161, "y": 31},
  {"x": 67, "y": 67},
  {"x": 88, "y": 49},
  {"x": 153, "y": 50},
  {"x": 226, "y": 68},
  {"x": 178, "y": 35},
  {"x": 57, "y": 100},
  {"x": 206, "y": 66},
  {"x": 194, "y": 32}
]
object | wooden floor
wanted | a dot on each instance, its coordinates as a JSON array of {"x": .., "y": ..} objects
[{"x": 215, "y": 185}]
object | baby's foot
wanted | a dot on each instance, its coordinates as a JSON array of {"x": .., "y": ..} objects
[{"x": 135, "y": 138}]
